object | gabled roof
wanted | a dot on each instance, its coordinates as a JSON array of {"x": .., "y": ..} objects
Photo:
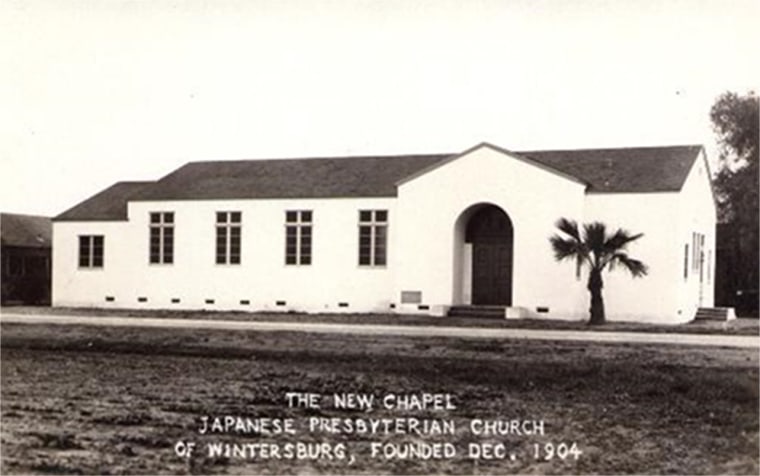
[
  {"x": 110, "y": 204},
  {"x": 289, "y": 178},
  {"x": 624, "y": 170},
  {"x": 31, "y": 231},
  {"x": 621, "y": 170}
]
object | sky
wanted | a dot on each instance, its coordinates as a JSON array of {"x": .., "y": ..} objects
[{"x": 94, "y": 92}]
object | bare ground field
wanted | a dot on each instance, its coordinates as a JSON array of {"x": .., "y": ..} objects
[
  {"x": 81, "y": 400},
  {"x": 741, "y": 326}
]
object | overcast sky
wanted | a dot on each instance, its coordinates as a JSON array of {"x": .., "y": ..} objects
[{"x": 93, "y": 92}]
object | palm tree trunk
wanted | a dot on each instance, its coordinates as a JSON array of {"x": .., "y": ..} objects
[{"x": 595, "y": 285}]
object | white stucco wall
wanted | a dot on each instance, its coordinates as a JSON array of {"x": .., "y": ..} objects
[
  {"x": 262, "y": 278},
  {"x": 430, "y": 205},
  {"x": 654, "y": 297},
  {"x": 698, "y": 214},
  {"x": 426, "y": 252}
]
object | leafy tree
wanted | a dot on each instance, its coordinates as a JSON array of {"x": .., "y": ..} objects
[
  {"x": 599, "y": 251},
  {"x": 735, "y": 121}
]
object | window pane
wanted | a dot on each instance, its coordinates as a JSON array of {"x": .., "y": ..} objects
[
  {"x": 306, "y": 231},
  {"x": 84, "y": 251},
  {"x": 168, "y": 257},
  {"x": 169, "y": 217},
  {"x": 291, "y": 217},
  {"x": 221, "y": 217},
  {"x": 220, "y": 257},
  {"x": 290, "y": 259},
  {"x": 97, "y": 260},
  {"x": 363, "y": 260},
  {"x": 380, "y": 234},
  {"x": 154, "y": 257},
  {"x": 306, "y": 216},
  {"x": 235, "y": 259},
  {"x": 381, "y": 215},
  {"x": 305, "y": 259},
  {"x": 380, "y": 256},
  {"x": 235, "y": 217},
  {"x": 155, "y": 218},
  {"x": 365, "y": 215}
]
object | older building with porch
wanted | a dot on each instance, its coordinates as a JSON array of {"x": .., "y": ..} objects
[{"x": 407, "y": 234}]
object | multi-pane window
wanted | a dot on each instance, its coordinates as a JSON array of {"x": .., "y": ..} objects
[
  {"x": 298, "y": 237},
  {"x": 698, "y": 246},
  {"x": 91, "y": 251},
  {"x": 228, "y": 237},
  {"x": 162, "y": 237},
  {"x": 373, "y": 237}
]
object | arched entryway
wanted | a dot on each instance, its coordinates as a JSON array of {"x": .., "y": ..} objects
[{"x": 488, "y": 238}]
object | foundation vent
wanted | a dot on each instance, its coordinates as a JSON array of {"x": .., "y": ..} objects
[{"x": 411, "y": 297}]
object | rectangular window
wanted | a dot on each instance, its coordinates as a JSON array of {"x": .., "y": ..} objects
[
  {"x": 697, "y": 250},
  {"x": 686, "y": 261},
  {"x": 228, "y": 232},
  {"x": 373, "y": 237},
  {"x": 91, "y": 251},
  {"x": 162, "y": 237},
  {"x": 298, "y": 237}
]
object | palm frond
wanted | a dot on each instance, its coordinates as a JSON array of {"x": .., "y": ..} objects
[
  {"x": 634, "y": 266},
  {"x": 569, "y": 227},
  {"x": 565, "y": 248},
  {"x": 619, "y": 240},
  {"x": 594, "y": 235}
]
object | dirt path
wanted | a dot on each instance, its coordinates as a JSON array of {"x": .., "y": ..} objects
[{"x": 395, "y": 330}]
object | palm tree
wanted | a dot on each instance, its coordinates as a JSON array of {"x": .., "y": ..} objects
[{"x": 599, "y": 251}]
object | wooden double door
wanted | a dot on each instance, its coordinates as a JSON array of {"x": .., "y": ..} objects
[{"x": 491, "y": 235}]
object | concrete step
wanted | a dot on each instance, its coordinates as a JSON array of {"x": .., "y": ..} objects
[
  {"x": 715, "y": 314},
  {"x": 495, "y": 312}
]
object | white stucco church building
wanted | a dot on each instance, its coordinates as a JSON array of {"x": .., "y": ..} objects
[{"x": 404, "y": 234}]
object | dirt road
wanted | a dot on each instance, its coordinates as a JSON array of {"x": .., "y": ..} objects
[{"x": 394, "y": 330}]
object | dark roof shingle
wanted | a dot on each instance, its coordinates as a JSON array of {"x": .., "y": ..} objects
[
  {"x": 110, "y": 204},
  {"x": 622, "y": 170},
  {"x": 31, "y": 231},
  {"x": 289, "y": 178}
]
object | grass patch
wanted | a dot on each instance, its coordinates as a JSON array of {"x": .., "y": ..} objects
[
  {"x": 745, "y": 326},
  {"x": 125, "y": 396}
]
